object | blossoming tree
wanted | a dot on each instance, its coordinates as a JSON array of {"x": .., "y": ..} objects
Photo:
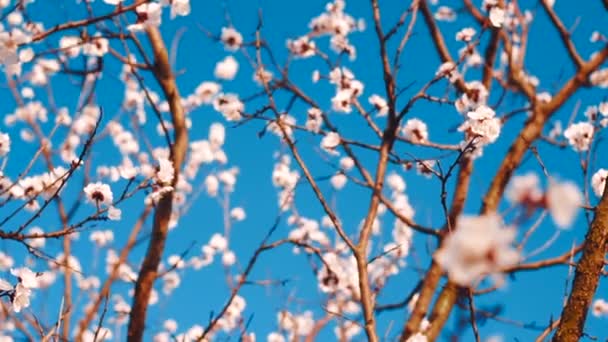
[{"x": 421, "y": 160}]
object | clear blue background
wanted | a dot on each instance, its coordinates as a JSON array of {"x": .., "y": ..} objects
[{"x": 530, "y": 298}]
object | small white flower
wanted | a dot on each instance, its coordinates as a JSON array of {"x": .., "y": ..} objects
[
  {"x": 302, "y": 47},
  {"x": 598, "y": 182},
  {"x": 212, "y": 184},
  {"x": 21, "y": 297},
  {"x": 27, "y": 277},
  {"x": 228, "y": 258},
  {"x": 347, "y": 163},
  {"x": 395, "y": 182},
  {"x": 314, "y": 120},
  {"x": 176, "y": 261},
  {"x": 563, "y": 202},
  {"x": 448, "y": 70},
  {"x": 415, "y": 130},
  {"x": 206, "y": 91},
  {"x": 478, "y": 246},
  {"x": 338, "y": 181},
  {"x": 341, "y": 102},
  {"x": 579, "y": 136},
  {"x": 330, "y": 142},
  {"x": 466, "y": 34},
  {"x": 481, "y": 125},
  {"x": 166, "y": 171},
  {"x": 379, "y": 104},
  {"x": 102, "y": 237},
  {"x": 599, "y": 308},
  {"x": 524, "y": 189},
  {"x": 237, "y": 214},
  {"x": 227, "y": 68},
  {"x": 180, "y": 7},
  {"x": 445, "y": 13},
  {"x": 170, "y": 325},
  {"x": 5, "y": 144},
  {"x": 99, "y": 193},
  {"x": 229, "y": 105},
  {"x": 218, "y": 242},
  {"x": 497, "y": 16},
  {"x": 114, "y": 214},
  {"x": 217, "y": 134},
  {"x": 231, "y": 38}
]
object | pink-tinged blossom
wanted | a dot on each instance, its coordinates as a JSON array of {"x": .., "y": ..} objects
[
  {"x": 166, "y": 172},
  {"x": 524, "y": 189},
  {"x": 466, "y": 34},
  {"x": 481, "y": 126},
  {"x": 415, "y": 130},
  {"x": 206, "y": 91},
  {"x": 599, "y": 78},
  {"x": 598, "y": 182},
  {"x": 564, "y": 200},
  {"x": 338, "y": 181},
  {"x": 448, "y": 70},
  {"x": 599, "y": 308},
  {"x": 330, "y": 142},
  {"x": 341, "y": 102},
  {"x": 148, "y": 14},
  {"x": 379, "y": 104},
  {"x": 347, "y": 163},
  {"x": 395, "y": 182},
  {"x": 425, "y": 168},
  {"x": 96, "y": 47},
  {"x": 238, "y": 214},
  {"x": 445, "y": 13},
  {"x": 5, "y": 144},
  {"x": 579, "y": 135},
  {"x": 302, "y": 47},
  {"x": 21, "y": 297},
  {"x": 227, "y": 68},
  {"x": 102, "y": 238},
  {"x": 231, "y": 38},
  {"x": 228, "y": 258},
  {"x": 314, "y": 120},
  {"x": 229, "y": 105},
  {"x": 262, "y": 76},
  {"x": 6, "y": 261},
  {"x": 478, "y": 246},
  {"x": 212, "y": 185},
  {"x": 217, "y": 134},
  {"x": 179, "y": 7},
  {"x": 27, "y": 277},
  {"x": 99, "y": 193},
  {"x": 497, "y": 16}
]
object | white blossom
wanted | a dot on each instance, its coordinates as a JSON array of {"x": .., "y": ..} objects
[
  {"x": 598, "y": 181},
  {"x": 227, "y": 68},
  {"x": 563, "y": 202},
  {"x": 5, "y": 144},
  {"x": 579, "y": 136},
  {"x": 99, "y": 193},
  {"x": 478, "y": 246},
  {"x": 166, "y": 172},
  {"x": 415, "y": 130},
  {"x": 231, "y": 38},
  {"x": 330, "y": 142}
]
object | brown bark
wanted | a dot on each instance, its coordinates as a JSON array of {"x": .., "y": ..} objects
[
  {"x": 586, "y": 278},
  {"x": 148, "y": 272}
]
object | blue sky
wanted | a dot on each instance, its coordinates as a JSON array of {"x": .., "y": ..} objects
[{"x": 529, "y": 297}]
